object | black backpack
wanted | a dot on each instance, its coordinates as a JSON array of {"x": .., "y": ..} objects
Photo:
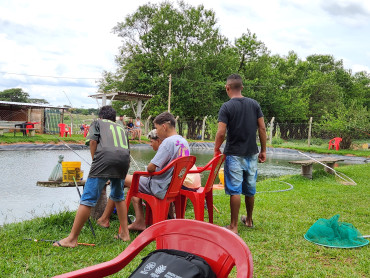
[{"x": 169, "y": 263}]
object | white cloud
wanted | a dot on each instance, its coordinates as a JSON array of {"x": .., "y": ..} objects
[
  {"x": 74, "y": 39},
  {"x": 358, "y": 68}
]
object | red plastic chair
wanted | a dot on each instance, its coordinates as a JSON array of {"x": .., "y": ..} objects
[
  {"x": 86, "y": 130},
  {"x": 30, "y": 125},
  {"x": 64, "y": 130},
  {"x": 157, "y": 209},
  {"x": 221, "y": 248},
  {"x": 203, "y": 193},
  {"x": 334, "y": 143}
]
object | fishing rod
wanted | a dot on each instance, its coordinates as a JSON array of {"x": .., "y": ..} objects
[
  {"x": 136, "y": 165},
  {"x": 53, "y": 241},
  {"x": 65, "y": 144},
  {"x": 88, "y": 163},
  {"x": 349, "y": 180}
]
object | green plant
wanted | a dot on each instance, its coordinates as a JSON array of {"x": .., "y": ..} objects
[
  {"x": 211, "y": 127},
  {"x": 277, "y": 140}
]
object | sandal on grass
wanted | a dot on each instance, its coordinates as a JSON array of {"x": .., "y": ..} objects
[{"x": 243, "y": 219}]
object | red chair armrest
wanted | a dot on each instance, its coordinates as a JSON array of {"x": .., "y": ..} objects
[{"x": 201, "y": 169}]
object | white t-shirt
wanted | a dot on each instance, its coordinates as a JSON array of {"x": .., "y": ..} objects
[{"x": 171, "y": 148}]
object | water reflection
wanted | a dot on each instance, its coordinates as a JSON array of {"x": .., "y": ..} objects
[{"x": 21, "y": 199}]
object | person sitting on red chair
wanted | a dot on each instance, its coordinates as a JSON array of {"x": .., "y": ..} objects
[{"x": 192, "y": 182}]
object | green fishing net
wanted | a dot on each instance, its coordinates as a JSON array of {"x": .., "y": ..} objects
[
  {"x": 57, "y": 173},
  {"x": 332, "y": 233}
]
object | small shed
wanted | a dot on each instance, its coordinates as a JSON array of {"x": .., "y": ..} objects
[
  {"x": 141, "y": 100},
  {"x": 47, "y": 116}
]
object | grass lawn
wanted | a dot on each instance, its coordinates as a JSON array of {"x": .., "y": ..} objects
[
  {"x": 9, "y": 138},
  {"x": 321, "y": 146},
  {"x": 276, "y": 242}
]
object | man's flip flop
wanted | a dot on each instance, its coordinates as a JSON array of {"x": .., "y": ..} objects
[
  {"x": 243, "y": 219},
  {"x": 118, "y": 237},
  {"x": 57, "y": 242}
]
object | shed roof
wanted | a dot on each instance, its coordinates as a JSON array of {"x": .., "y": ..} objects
[
  {"x": 123, "y": 96},
  {"x": 25, "y": 104}
]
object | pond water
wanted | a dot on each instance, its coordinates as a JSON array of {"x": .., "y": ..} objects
[{"x": 22, "y": 199}]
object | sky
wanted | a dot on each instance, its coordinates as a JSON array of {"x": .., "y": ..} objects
[{"x": 57, "y": 50}]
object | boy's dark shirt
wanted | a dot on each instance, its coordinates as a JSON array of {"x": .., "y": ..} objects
[
  {"x": 112, "y": 156},
  {"x": 240, "y": 116}
]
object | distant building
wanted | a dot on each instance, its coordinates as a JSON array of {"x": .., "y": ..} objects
[{"x": 47, "y": 116}]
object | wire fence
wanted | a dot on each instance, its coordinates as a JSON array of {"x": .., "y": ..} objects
[{"x": 202, "y": 128}]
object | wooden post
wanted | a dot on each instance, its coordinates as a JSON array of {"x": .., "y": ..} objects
[
  {"x": 42, "y": 121},
  {"x": 203, "y": 127},
  {"x": 147, "y": 124},
  {"x": 70, "y": 114},
  {"x": 271, "y": 128},
  {"x": 103, "y": 100},
  {"x": 139, "y": 108},
  {"x": 169, "y": 94},
  {"x": 177, "y": 126},
  {"x": 62, "y": 116},
  {"x": 309, "y": 132},
  {"x": 29, "y": 114}
]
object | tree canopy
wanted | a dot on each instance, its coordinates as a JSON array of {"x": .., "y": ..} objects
[
  {"x": 18, "y": 95},
  {"x": 159, "y": 40}
]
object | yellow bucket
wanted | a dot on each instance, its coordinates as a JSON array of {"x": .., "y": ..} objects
[
  {"x": 71, "y": 169},
  {"x": 221, "y": 176}
]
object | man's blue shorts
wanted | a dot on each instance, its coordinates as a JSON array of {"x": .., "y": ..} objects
[
  {"x": 94, "y": 186},
  {"x": 240, "y": 175}
]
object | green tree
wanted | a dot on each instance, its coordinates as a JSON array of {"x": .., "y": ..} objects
[
  {"x": 160, "y": 40},
  {"x": 18, "y": 95},
  {"x": 249, "y": 49},
  {"x": 15, "y": 95},
  {"x": 38, "y": 100},
  {"x": 361, "y": 88}
]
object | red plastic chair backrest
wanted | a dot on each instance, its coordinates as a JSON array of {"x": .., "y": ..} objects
[
  {"x": 214, "y": 166},
  {"x": 181, "y": 167},
  {"x": 62, "y": 127},
  {"x": 221, "y": 248}
]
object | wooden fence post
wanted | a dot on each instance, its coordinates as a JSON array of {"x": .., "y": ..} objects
[
  {"x": 204, "y": 127},
  {"x": 309, "y": 132},
  {"x": 147, "y": 124},
  {"x": 271, "y": 128}
]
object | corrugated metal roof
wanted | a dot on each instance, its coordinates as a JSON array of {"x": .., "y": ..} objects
[
  {"x": 122, "y": 96},
  {"x": 36, "y": 105}
]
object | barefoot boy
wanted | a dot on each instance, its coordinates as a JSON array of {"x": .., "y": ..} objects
[{"x": 111, "y": 157}]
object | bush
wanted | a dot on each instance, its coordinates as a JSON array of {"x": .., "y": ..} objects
[
  {"x": 347, "y": 122},
  {"x": 277, "y": 141}
]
